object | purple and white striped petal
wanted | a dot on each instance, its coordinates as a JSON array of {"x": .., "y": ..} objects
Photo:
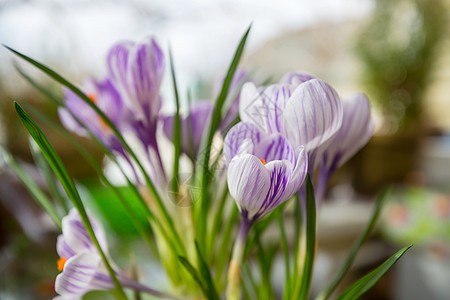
[
  {"x": 137, "y": 70},
  {"x": 82, "y": 273},
  {"x": 75, "y": 238},
  {"x": 355, "y": 132},
  {"x": 274, "y": 147},
  {"x": 249, "y": 183},
  {"x": 240, "y": 139},
  {"x": 312, "y": 115},
  {"x": 117, "y": 61},
  {"x": 280, "y": 175},
  {"x": 299, "y": 173},
  {"x": 264, "y": 107}
]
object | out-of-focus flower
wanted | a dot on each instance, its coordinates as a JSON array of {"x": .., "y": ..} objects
[
  {"x": 264, "y": 173},
  {"x": 136, "y": 69},
  {"x": 195, "y": 123},
  {"x": 82, "y": 267},
  {"x": 106, "y": 97},
  {"x": 193, "y": 126},
  {"x": 354, "y": 133}
]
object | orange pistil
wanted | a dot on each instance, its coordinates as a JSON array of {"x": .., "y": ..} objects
[
  {"x": 60, "y": 263},
  {"x": 263, "y": 161}
]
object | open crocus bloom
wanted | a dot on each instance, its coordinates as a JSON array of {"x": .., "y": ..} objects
[
  {"x": 305, "y": 110},
  {"x": 82, "y": 267},
  {"x": 107, "y": 98},
  {"x": 263, "y": 172}
]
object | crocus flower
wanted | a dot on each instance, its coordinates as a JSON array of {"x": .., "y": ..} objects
[
  {"x": 264, "y": 170},
  {"x": 136, "y": 69},
  {"x": 305, "y": 110},
  {"x": 355, "y": 132},
  {"x": 107, "y": 99},
  {"x": 81, "y": 265}
]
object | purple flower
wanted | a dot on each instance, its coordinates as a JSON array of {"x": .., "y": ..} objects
[
  {"x": 355, "y": 132},
  {"x": 193, "y": 127},
  {"x": 264, "y": 170},
  {"x": 81, "y": 265},
  {"x": 107, "y": 99}
]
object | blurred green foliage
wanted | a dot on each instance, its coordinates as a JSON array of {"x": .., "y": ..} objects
[{"x": 398, "y": 49}]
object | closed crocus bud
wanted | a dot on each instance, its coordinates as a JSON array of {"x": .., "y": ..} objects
[
  {"x": 263, "y": 171},
  {"x": 137, "y": 70}
]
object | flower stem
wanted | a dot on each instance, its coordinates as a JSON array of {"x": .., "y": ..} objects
[{"x": 234, "y": 270}]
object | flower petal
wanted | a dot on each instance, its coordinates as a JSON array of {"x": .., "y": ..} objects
[
  {"x": 298, "y": 175},
  {"x": 118, "y": 62},
  {"x": 193, "y": 126},
  {"x": 355, "y": 132},
  {"x": 144, "y": 74},
  {"x": 280, "y": 176},
  {"x": 312, "y": 115},
  {"x": 264, "y": 107},
  {"x": 76, "y": 236},
  {"x": 249, "y": 183},
  {"x": 234, "y": 140},
  {"x": 81, "y": 274},
  {"x": 274, "y": 147}
]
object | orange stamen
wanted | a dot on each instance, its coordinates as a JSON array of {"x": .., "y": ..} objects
[
  {"x": 60, "y": 263},
  {"x": 92, "y": 97},
  {"x": 263, "y": 161}
]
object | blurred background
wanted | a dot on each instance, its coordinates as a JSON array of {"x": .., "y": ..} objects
[{"x": 397, "y": 52}]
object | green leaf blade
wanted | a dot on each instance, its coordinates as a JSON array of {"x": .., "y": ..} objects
[
  {"x": 368, "y": 281},
  {"x": 352, "y": 255}
]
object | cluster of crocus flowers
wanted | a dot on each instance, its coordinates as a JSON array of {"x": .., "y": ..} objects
[
  {"x": 128, "y": 96},
  {"x": 81, "y": 266},
  {"x": 288, "y": 129}
]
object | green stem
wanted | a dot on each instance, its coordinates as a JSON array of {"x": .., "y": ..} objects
[{"x": 234, "y": 270}]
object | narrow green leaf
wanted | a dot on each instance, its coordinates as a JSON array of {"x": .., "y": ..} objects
[
  {"x": 351, "y": 257},
  {"x": 40, "y": 197},
  {"x": 204, "y": 271},
  {"x": 364, "y": 284},
  {"x": 207, "y": 140},
  {"x": 66, "y": 181},
  {"x": 176, "y": 130},
  {"x": 48, "y": 175},
  {"x": 187, "y": 265},
  {"x": 285, "y": 249},
  {"x": 308, "y": 263}
]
